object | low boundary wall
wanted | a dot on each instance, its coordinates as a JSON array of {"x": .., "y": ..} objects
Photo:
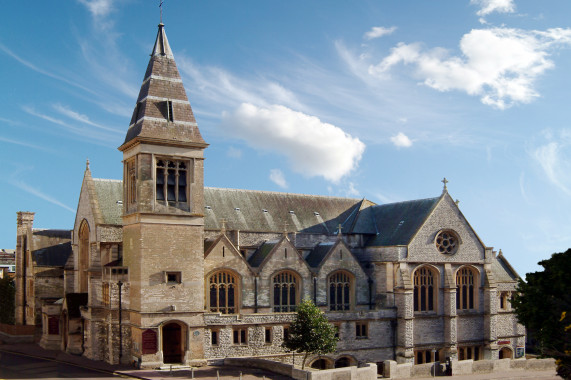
[
  {"x": 368, "y": 372},
  {"x": 464, "y": 367},
  {"x": 17, "y": 333}
]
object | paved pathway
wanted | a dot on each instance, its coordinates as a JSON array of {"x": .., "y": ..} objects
[{"x": 506, "y": 375}]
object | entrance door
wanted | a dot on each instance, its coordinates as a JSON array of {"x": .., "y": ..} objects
[{"x": 172, "y": 343}]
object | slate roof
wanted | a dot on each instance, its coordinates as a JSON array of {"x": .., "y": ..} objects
[
  {"x": 261, "y": 253},
  {"x": 74, "y": 301},
  {"x": 109, "y": 192},
  {"x": 393, "y": 223},
  {"x": 51, "y": 233},
  {"x": 244, "y": 210},
  {"x": 8, "y": 257},
  {"x": 503, "y": 272},
  {"x": 52, "y": 256},
  {"x": 317, "y": 254}
]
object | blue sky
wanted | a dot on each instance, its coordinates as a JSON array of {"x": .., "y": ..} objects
[{"x": 374, "y": 99}]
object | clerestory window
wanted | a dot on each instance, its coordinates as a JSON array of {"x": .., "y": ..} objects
[
  {"x": 465, "y": 294},
  {"x": 286, "y": 292},
  {"x": 424, "y": 286},
  {"x": 171, "y": 181},
  {"x": 223, "y": 289},
  {"x": 340, "y": 291}
]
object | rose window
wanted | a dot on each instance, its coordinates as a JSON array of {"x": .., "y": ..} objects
[{"x": 447, "y": 242}]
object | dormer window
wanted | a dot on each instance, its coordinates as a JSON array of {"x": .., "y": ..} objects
[{"x": 171, "y": 181}]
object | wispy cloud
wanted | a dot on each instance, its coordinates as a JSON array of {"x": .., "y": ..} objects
[
  {"x": 401, "y": 140},
  {"x": 234, "y": 152},
  {"x": 554, "y": 158},
  {"x": 23, "y": 143},
  {"x": 42, "y": 71},
  {"x": 313, "y": 148},
  {"x": 500, "y": 65},
  {"x": 65, "y": 110},
  {"x": 379, "y": 31},
  {"x": 36, "y": 192},
  {"x": 277, "y": 177}
]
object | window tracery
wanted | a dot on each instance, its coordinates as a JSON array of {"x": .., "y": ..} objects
[{"x": 223, "y": 287}]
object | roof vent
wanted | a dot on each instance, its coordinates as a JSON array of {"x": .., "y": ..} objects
[
  {"x": 291, "y": 212},
  {"x": 264, "y": 210},
  {"x": 119, "y": 202},
  {"x": 208, "y": 207},
  {"x": 237, "y": 208},
  {"x": 315, "y": 213}
]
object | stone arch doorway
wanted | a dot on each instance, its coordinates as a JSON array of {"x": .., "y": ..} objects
[
  {"x": 506, "y": 353},
  {"x": 173, "y": 335},
  {"x": 322, "y": 364},
  {"x": 343, "y": 361}
]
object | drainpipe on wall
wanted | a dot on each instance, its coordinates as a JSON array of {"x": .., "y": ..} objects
[
  {"x": 315, "y": 290},
  {"x": 255, "y": 294}
]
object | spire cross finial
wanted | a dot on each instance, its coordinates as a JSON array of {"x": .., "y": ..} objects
[
  {"x": 223, "y": 221},
  {"x": 161, "y": 8},
  {"x": 87, "y": 164},
  {"x": 339, "y": 228},
  {"x": 444, "y": 181}
]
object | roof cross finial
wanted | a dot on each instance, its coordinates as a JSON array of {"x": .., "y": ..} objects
[
  {"x": 161, "y": 8},
  {"x": 223, "y": 229},
  {"x": 87, "y": 165},
  {"x": 444, "y": 181},
  {"x": 339, "y": 228},
  {"x": 285, "y": 228}
]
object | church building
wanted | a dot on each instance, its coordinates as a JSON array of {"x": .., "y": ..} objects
[{"x": 159, "y": 269}]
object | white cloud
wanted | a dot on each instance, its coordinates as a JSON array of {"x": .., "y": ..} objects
[
  {"x": 491, "y": 6},
  {"x": 554, "y": 157},
  {"x": 352, "y": 191},
  {"x": 500, "y": 65},
  {"x": 277, "y": 177},
  {"x": 401, "y": 140},
  {"x": 98, "y": 8},
  {"x": 379, "y": 31},
  {"x": 312, "y": 147}
]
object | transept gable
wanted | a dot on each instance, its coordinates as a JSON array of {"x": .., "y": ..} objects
[{"x": 446, "y": 236}]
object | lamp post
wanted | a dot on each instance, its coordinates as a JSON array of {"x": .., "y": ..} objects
[{"x": 120, "y": 284}]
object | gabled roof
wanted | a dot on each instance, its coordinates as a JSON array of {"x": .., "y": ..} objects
[
  {"x": 162, "y": 113},
  {"x": 394, "y": 223},
  {"x": 52, "y": 256},
  {"x": 318, "y": 253},
  {"x": 503, "y": 271},
  {"x": 261, "y": 253},
  {"x": 265, "y": 211},
  {"x": 109, "y": 199}
]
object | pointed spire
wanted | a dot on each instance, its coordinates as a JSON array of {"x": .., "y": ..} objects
[
  {"x": 162, "y": 46},
  {"x": 162, "y": 113}
]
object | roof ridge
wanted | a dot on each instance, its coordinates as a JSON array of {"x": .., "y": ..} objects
[
  {"x": 280, "y": 192},
  {"x": 107, "y": 180},
  {"x": 409, "y": 201}
]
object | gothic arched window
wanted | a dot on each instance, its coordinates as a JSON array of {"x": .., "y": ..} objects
[
  {"x": 424, "y": 286},
  {"x": 340, "y": 291},
  {"x": 465, "y": 292},
  {"x": 286, "y": 291},
  {"x": 83, "y": 262},
  {"x": 223, "y": 291}
]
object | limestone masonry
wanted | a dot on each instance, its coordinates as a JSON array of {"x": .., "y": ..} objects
[{"x": 159, "y": 269}]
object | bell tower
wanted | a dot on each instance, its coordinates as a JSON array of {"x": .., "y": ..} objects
[{"x": 163, "y": 221}]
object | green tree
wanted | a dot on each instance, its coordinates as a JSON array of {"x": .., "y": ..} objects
[
  {"x": 311, "y": 332},
  {"x": 7, "y": 300},
  {"x": 543, "y": 305}
]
